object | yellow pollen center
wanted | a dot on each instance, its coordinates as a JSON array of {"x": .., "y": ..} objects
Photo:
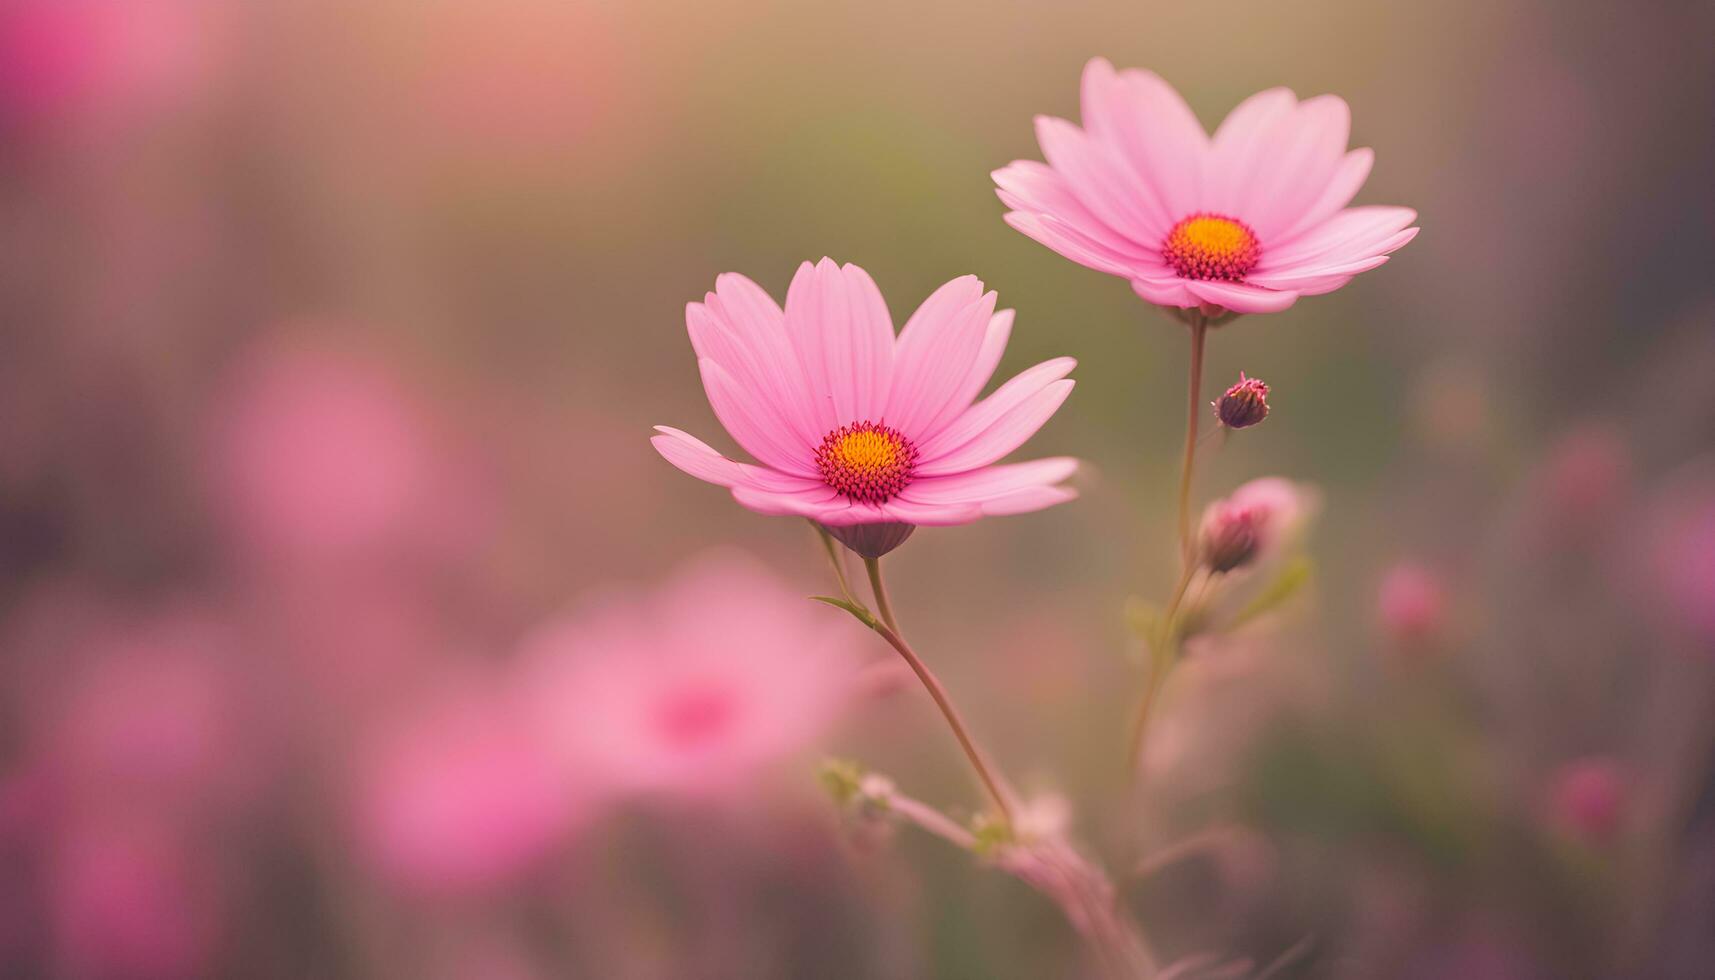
[
  {"x": 866, "y": 461},
  {"x": 1211, "y": 246}
]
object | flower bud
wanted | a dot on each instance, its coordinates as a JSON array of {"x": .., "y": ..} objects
[
  {"x": 1244, "y": 405},
  {"x": 1229, "y": 538},
  {"x": 1411, "y": 603},
  {"x": 871, "y": 540}
]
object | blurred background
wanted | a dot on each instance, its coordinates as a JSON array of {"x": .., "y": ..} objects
[{"x": 333, "y": 333}]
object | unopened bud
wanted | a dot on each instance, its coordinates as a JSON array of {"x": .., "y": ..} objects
[
  {"x": 1229, "y": 537},
  {"x": 1244, "y": 405},
  {"x": 871, "y": 540}
]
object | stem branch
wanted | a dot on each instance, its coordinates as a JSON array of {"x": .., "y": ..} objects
[{"x": 889, "y": 630}]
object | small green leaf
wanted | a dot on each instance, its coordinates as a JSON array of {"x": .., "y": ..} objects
[
  {"x": 842, "y": 778},
  {"x": 991, "y": 834},
  {"x": 857, "y": 610},
  {"x": 1287, "y": 583}
]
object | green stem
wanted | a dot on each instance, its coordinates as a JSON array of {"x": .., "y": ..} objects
[
  {"x": 889, "y": 630},
  {"x": 1194, "y": 411}
]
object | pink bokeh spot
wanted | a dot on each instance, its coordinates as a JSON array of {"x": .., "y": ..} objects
[{"x": 460, "y": 798}]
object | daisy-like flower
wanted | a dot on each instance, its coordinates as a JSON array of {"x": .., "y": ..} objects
[
  {"x": 866, "y": 433},
  {"x": 692, "y": 688},
  {"x": 1254, "y": 522},
  {"x": 1245, "y": 221}
]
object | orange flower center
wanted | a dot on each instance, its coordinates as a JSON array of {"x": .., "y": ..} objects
[
  {"x": 1211, "y": 246},
  {"x": 866, "y": 461}
]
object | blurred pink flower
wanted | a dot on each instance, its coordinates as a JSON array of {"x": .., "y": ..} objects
[
  {"x": 1248, "y": 220},
  {"x": 1254, "y": 522},
  {"x": 856, "y": 427},
  {"x": 1411, "y": 603},
  {"x": 323, "y": 459},
  {"x": 1682, "y": 553},
  {"x": 117, "y": 61},
  {"x": 693, "y": 688},
  {"x": 459, "y": 797},
  {"x": 128, "y": 903},
  {"x": 1587, "y": 799}
]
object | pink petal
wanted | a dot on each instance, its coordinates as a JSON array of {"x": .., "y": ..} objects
[
  {"x": 1348, "y": 176},
  {"x": 809, "y": 503},
  {"x": 1107, "y": 188},
  {"x": 994, "y": 427},
  {"x": 1155, "y": 134},
  {"x": 754, "y": 424},
  {"x": 759, "y": 326},
  {"x": 936, "y": 348},
  {"x": 979, "y": 486},
  {"x": 980, "y": 371},
  {"x": 1165, "y": 290},
  {"x": 972, "y": 420},
  {"x": 1241, "y": 297},
  {"x": 839, "y": 325},
  {"x": 1026, "y": 185},
  {"x": 700, "y": 460},
  {"x": 1240, "y": 147},
  {"x": 769, "y": 371},
  {"x": 1352, "y": 234},
  {"x": 1027, "y": 500},
  {"x": 1297, "y": 169},
  {"x": 1073, "y": 244}
]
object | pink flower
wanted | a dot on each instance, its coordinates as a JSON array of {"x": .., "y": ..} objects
[
  {"x": 1247, "y": 220},
  {"x": 1253, "y": 522},
  {"x": 691, "y": 689},
  {"x": 853, "y": 426},
  {"x": 458, "y": 798},
  {"x": 1411, "y": 604},
  {"x": 129, "y": 901},
  {"x": 1587, "y": 799}
]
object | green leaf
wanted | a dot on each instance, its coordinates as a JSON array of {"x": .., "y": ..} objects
[
  {"x": 862, "y": 615},
  {"x": 1291, "y": 579},
  {"x": 842, "y": 778}
]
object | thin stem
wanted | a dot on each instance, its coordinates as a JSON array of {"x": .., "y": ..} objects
[
  {"x": 889, "y": 630},
  {"x": 882, "y": 605},
  {"x": 1161, "y": 655},
  {"x": 834, "y": 560},
  {"x": 1194, "y": 411}
]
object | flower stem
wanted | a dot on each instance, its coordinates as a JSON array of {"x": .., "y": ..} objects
[
  {"x": 1194, "y": 411},
  {"x": 1163, "y": 649},
  {"x": 889, "y": 630}
]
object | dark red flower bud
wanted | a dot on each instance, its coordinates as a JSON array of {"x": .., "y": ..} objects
[
  {"x": 1244, "y": 405},
  {"x": 1229, "y": 538}
]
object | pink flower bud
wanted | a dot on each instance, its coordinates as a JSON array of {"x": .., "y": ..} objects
[
  {"x": 1229, "y": 537},
  {"x": 1244, "y": 405}
]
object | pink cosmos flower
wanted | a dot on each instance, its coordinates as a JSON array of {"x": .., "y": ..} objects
[
  {"x": 459, "y": 798},
  {"x": 692, "y": 689},
  {"x": 853, "y": 426},
  {"x": 1247, "y": 220}
]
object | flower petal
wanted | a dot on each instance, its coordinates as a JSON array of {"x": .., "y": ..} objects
[
  {"x": 838, "y": 324},
  {"x": 1026, "y": 185},
  {"x": 935, "y": 351},
  {"x": 1297, "y": 167},
  {"x": 1350, "y": 235},
  {"x": 1241, "y": 297},
  {"x": 768, "y": 369},
  {"x": 990, "y": 482},
  {"x": 1107, "y": 188},
  {"x": 999, "y": 423},
  {"x": 1027, "y": 500},
  {"x": 1343, "y": 185},
  {"x": 753, "y": 423},
  {"x": 700, "y": 460},
  {"x": 1240, "y": 147},
  {"x": 1154, "y": 133}
]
